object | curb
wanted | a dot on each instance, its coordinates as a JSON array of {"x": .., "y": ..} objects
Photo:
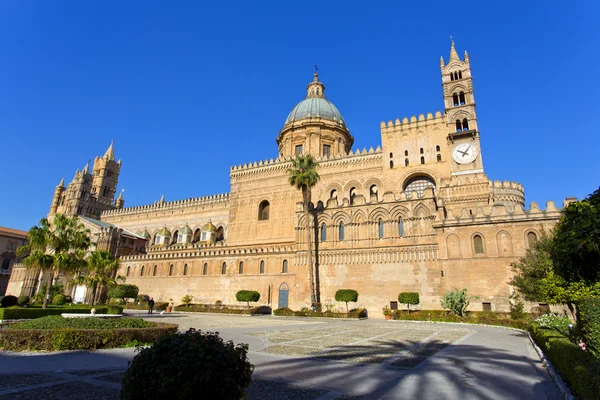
[{"x": 558, "y": 381}]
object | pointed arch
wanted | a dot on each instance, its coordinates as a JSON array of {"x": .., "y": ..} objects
[
  {"x": 379, "y": 213},
  {"x": 421, "y": 211},
  {"x": 399, "y": 212},
  {"x": 453, "y": 246},
  {"x": 359, "y": 217},
  {"x": 341, "y": 216},
  {"x": 504, "y": 242}
]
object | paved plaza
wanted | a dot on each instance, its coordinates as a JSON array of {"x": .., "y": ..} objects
[{"x": 322, "y": 359}]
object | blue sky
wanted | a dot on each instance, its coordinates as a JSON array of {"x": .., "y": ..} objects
[{"x": 187, "y": 89}]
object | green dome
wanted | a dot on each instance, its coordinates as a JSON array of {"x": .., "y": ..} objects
[
  {"x": 209, "y": 227},
  {"x": 315, "y": 107},
  {"x": 165, "y": 232}
]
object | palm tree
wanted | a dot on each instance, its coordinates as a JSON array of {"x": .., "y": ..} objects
[
  {"x": 101, "y": 274},
  {"x": 54, "y": 247},
  {"x": 303, "y": 175}
]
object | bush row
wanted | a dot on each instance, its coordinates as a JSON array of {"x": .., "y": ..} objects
[
  {"x": 144, "y": 306},
  {"x": 588, "y": 319},
  {"x": 58, "y": 322},
  {"x": 474, "y": 317},
  {"x": 31, "y": 312},
  {"x": 210, "y": 308},
  {"x": 287, "y": 312},
  {"x": 577, "y": 367},
  {"x": 80, "y": 339}
]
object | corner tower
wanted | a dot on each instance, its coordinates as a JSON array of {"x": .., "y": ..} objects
[
  {"x": 459, "y": 103},
  {"x": 106, "y": 176},
  {"x": 314, "y": 126}
]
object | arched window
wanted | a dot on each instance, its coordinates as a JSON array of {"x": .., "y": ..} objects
[
  {"x": 478, "y": 244},
  {"x": 333, "y": 194},
  {"x": 405, "y": 153},
  {"x": 422, "y": 160},
  {"x": 154, "y": 270},
  {"x": 352, "y": 195},
  {"x": 455, "y": 99},
  {"x": 391, "y": 155},
  {"x": 284, "y": 267},
  {"x": 451, "y": 76},
  {"x": 465, "y": 124},
  {"x": 171, "y": 270},
  {"x": 439, "y": 157},
  {"x": 391, "y": 164},
  {"x": 205, "y": 269},
  {"x": 419, "y": 184},
  {"x": 184, "y": 269},
  {"x": 459, "y": 74},
  {"x": 323, "y": 233},
  {"x": 263, "y": 210},
  {"x": 142, "y": 271},
  {"x": 458, "y": 126},
  {"x": 400, "y": 227},
  {"x": 421, "y": 150},
  {"x": 224, "y": 268},
  {"x": 437, "y": 148},
  {"x": 406, "y": 162},
  {"x": 157, "y": 239},
  {"x": 262, "y": 267},
  {"x": 341, "y": 231},
  {"x": 461, "y": 96},
  {"x": 241, "y": 268},
  {"x": 531, "y": 239},
  {"x": 380, "y": 226},
  {"x": 128, "y": 270}
]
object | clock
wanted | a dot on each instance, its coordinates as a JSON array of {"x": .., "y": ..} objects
[{"x": 464, "y": 153}]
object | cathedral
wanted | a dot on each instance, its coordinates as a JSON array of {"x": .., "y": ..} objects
[{"x": 416, "y": 214}]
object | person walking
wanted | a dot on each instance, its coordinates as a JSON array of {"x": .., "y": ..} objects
[{"x": 150, "y": 305}]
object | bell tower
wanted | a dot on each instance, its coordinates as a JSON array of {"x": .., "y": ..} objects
[
  {"x": 106, "y": 176},
  {"x": 461, "y": 118}
]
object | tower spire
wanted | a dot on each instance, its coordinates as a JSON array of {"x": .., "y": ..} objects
[
  {"x": 110, "y": 152},
  {"x": 315, "y": 88},
  {"x": 86, "y": 169},
  {"x": 453, "y": 54},
  {"x": 62, "y": 183}
]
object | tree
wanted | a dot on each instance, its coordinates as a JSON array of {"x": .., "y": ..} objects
[
  {"x": 53, "y": 247},
  {"x": 247, "y": 296},
  {"x": 123, "y": 292},
  {"x": 346, "y": 295},
  {"x": 303, "y": 175},
  {"x": 100, "y": 273},
  {"x": 530, "y": 270},
  {"x": 576, "y": 248},
  {"x": 409, "y": 298},
  {"x": 457, "y": 301}
]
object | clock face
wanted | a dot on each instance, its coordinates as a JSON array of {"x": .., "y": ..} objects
[{"x": 464, "y": 153}]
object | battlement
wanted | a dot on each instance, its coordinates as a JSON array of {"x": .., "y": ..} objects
[
  {"x": 169, "y": 205},
  {"x": 413, "y": 123},
  {"x": 499, "y": 212},
  {"x": 283, "y": 163}
]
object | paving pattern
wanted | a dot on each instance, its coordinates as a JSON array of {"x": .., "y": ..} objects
[{"x": 398, "y": 344}]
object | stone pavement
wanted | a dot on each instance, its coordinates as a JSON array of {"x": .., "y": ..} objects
[{"x": 300, "y": 359}]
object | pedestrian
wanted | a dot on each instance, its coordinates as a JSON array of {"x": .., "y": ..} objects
[{"x": 150, "y": 305}]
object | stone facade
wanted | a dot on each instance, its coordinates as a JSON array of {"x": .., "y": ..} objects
[
  {"x": 416, "y": 214},
  {"x": 10, "y": 241}
]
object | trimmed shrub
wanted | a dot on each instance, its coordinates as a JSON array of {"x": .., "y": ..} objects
[
  {"x": 580, "y": 369},
  {"x": 210, "y": 308},
  {"x": 123, "y": 292},
  {"x": 58, "y": 322},
  {"x": 409, "y": 298},
  {"x": 473, "y": 317},
  {"x": 305, "y": 312},
  {"x": 59, "y": 300},
  {"x": 144, "y": 306},
  {"x": 211, "y": 369},
  {"x": 588, "y": 321},
  {"x": 346, "y": 295},
  {"x": 117, "y": 310},
  {"x": 23, "y": 300},
  {"x": 81, "y": 339},
  {"x": 35, "y": 312},
  {"x": 456, "y": 301},
  {"x": 247, "y": 296},
  {"x": 9, "y": 301},
  {"x": 187, "y": 299}
]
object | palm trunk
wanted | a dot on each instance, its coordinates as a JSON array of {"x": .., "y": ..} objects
[
  {"x": 306, "y": 196},
  {"x": 48, "y": 287}
]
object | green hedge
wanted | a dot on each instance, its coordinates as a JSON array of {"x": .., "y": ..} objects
[
  {"x": 474, "y": 317},
  {"x": 211, "y": 308},
  {"x": 80, "y": 339},
  {"x": 144, "y": 306},
  {"x": 580, "y": 369},
  {"x": 58, "y": 322},
  {"x": 286, "y": 312},
  {"x": 33, "y": 312},
  {"x": 588, "y": 320}
]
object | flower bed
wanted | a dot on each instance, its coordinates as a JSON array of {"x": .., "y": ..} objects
[
  {"x": 578, "y": 368},
  {"x": 287, "y": 312},
  {"x": 144, "y": 306},
  {"x": 34, "y": 312},
  {"x": 56, "y": 333},
  {"x": 473, "y": 317},
  {"x": 212, "y": 308}
]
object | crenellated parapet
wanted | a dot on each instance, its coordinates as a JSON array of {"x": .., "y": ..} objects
[
  {"x": 282, "y": 164},
  {"x": 212, "y": 200},
  {"x": 407, "y": 125},
  {"x": 507, "y": 193}
]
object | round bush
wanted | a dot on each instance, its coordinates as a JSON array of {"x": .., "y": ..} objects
[
  {"x": 23, "y": 300},
  {"x": 59, "y": 300},
  {"x": 189, "y": 365},
  {"x": 9, "y": 301}
]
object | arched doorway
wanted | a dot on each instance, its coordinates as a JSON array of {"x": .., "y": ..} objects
[{"x": 284, "y": 293}]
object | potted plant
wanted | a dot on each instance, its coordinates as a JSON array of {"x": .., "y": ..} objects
[
  {"x": 170, "y": 305},
  {"x": 387, "y": 312}
]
